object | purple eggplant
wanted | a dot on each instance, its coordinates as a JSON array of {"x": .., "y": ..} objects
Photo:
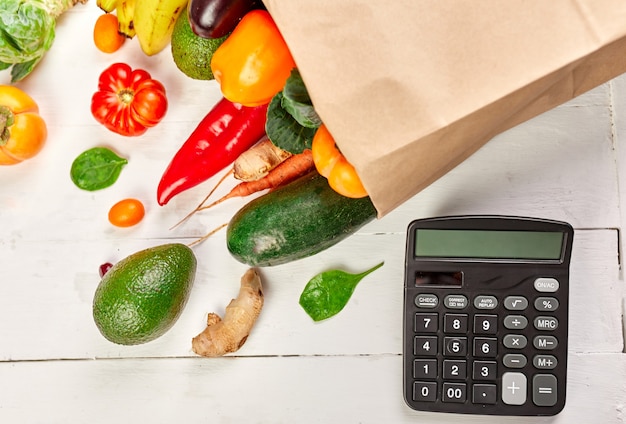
[{"x": 217, "y": 18}]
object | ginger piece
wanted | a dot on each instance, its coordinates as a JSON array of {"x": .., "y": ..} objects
[
  {"x": 258, "y": 161},
  {"x": 222, "y": 336}
]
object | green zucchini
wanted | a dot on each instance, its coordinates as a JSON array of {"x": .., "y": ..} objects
[{"x": 292, "y": 222}]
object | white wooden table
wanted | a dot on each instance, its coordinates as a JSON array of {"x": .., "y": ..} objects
[{"x": 55, "y": 367}]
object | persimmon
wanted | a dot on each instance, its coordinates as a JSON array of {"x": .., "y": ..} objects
[
  {"x": 23, "y": 131},
  {"x": 106, "y": 35}
]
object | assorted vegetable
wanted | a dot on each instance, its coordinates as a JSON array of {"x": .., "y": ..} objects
[
  {"x": 326, "y": 294},
  {"x": 23, "y": 131},
  {"x": 265, "y": 126},
  {"x": 128, "y": 101},
  {"x": 224, "y": 133},
  {"x": 27, "y": 32},
  {"x": 254, "y": 62},
  {"x": 96, "y": 168}
]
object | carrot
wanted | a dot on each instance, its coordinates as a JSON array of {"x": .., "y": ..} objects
[{"x": 288, "y": 170}]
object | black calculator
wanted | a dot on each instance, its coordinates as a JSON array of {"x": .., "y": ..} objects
[{"x": 485, "y": 315}]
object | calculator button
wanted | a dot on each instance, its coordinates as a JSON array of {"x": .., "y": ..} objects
[
  {"x": 545, "y": 342},
  {"x": 515, "y": 322},
  {"x": 454, "y": 392},
  {"x": 425, "y": 346},
  {"x": 484, "y": 370},
  {"x": 544, "y": 390},
  {"x": 515, "y": 303},
  {"x": 454, "y": 369},
  {"x": 426, "y": 323},
  {"x": 426, "y": 300},
  {"x": 455, "y": 301},
  {"x": 425, "y": 391},
  {"x": 514, "y": 341},
  {"x": 425, "y": 368},
  {"x": 546, "y": 285},
  {"x": 455, "y": 323},
  {"x": 484, "y": 393},
  {"x": 546, "y": 323},
  {"x": 514, "y": 360},
  {"x": 546, "y": 304},
  {"x": 485, "y": 324},
  {"x": 545, "y": 362},
  {"x": 485, "y": 302},
  {"x": 455, "y": 346},
  {"x": 514, "y": 388},
  {"x": 485, "y": 347}
]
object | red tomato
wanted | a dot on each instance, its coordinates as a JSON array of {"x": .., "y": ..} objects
[
  {"x": 128, "y": 101},
  {"x": 126, "y": 213}
]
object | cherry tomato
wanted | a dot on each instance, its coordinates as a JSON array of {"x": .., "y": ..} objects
[{"x": 126, "y": 213}]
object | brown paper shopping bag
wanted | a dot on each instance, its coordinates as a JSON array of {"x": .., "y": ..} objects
[{"x": 411, "y": 88}]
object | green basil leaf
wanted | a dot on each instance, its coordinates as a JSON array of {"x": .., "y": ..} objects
[
  {"x": 297, "y": 102},
  {"x": 327, "y": 293},
  {"x": 284, "y": 131},
  {"x": 96, "y": 168}
]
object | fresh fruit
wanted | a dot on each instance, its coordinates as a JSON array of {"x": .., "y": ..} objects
[
  {"x": 106, "y": 36},
  {"x": 126, "y": 213},
  {"x": 153, "y": 22},
  {"x": 192, "y": 54},
  {"x": 107, "y": 6},
  {"x": 295, "y": 221},
  {"x": 141, "y": 297}
]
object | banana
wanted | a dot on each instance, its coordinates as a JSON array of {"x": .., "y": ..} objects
[
  {"x": 125, "y": 16},
  {"x": 107, "y": 5},
  {"x": 154, "y": 22}
]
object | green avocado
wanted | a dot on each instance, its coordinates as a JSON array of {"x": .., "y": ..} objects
[
  {"x": 141, "y": 297},
  {"x": 192, "y": 54}
]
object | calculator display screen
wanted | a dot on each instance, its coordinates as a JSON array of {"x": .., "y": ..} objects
[{"x": 488, "y": 244}]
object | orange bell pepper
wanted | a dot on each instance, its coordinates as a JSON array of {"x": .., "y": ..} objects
[
  {"x": 332, "y": 164},
  {"x": 254, "y": 62},
  {"x": 23, "y": 131}
]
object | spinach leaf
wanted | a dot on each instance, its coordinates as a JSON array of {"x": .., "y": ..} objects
[
  {"x": 328, "y": 292},
  {"x": 297, "y": 102},
  {"x": 96, "y": 168},
  {"x": 284, "y": 131}
]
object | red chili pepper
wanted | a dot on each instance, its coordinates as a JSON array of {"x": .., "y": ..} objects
[{"x": 224, "y": 133}]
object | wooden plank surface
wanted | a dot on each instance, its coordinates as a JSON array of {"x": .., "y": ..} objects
[{"x": 567, "y": 164}]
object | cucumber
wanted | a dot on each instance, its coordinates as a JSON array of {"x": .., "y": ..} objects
[{"x": 292, "y": 222}]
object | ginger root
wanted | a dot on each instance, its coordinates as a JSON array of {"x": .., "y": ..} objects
[{"x": 222, "y": 336}]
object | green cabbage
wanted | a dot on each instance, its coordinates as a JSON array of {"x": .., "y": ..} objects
[{"x": 27, "y": 32}]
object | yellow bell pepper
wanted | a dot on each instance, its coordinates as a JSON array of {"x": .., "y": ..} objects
[
  {"x": 254, "y": 62},
  {"x": 332, "y": 164}
]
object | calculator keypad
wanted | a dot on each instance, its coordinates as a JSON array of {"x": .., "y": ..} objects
[{"x": 485, "y": 350}]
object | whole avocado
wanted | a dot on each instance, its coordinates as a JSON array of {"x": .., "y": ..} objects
[
  {"x": 192, "y": 54},
  {"x": 141, "y": 297}
]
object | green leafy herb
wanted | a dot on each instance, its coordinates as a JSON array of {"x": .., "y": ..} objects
[
  {"x": 297, "y": 102},
  {"x": 327, "y": 293},
  {"x": 284, "y": 131},
  {"x": 96, "y": 168}
]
